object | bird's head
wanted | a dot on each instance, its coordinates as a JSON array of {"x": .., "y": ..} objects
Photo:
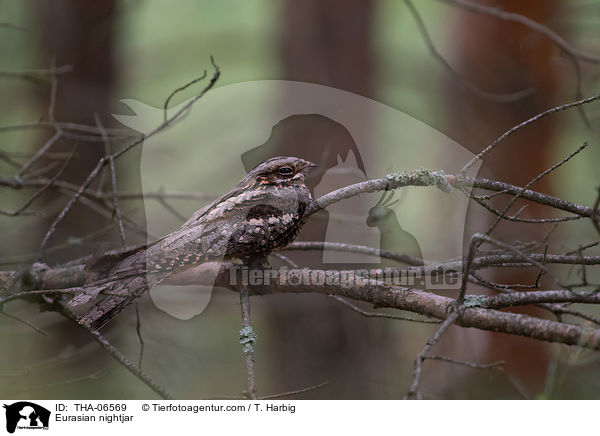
[{"x": 281, "y": 171}]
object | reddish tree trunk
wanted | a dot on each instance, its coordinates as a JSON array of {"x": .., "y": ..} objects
[{"x": 503, "y": 57}]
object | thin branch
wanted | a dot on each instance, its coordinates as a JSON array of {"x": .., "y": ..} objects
[
  {"x": 41, "y": 152},
  {"x": 247, "y": 339},
  {"x": 113, "y": 178},
  {"x": 66, "y": 126},
  {"x": 22, "y": 321},
  {"x": 528, "y": 22},
  {"x": 160, "y": 195},
  {"x": 531, "y": 182},
  {"x": 96, "y": 375},
  {"x": 138, "y": 331},
  {"x": 515, "y": 218},
  {"x": 40, "y": 191},
  {"x": 576, "y": 313},
  {"x": 414, "y": 392},
  {"x": 297, "y": 392},
  {"x": 181, "y": 88},
  {"x": 492, "y": 365},
  {"x": 53, "y": 95},
  {"x": 35, "y": 76},
  {"x": 272, "y": 396},
  {"x": 68, "y": 207},
  {"x": 518, "y": 127},
  {"x": 170, "y": 120},
  {"x": 476, "y": 241},
  {"x": 537, "y": 197},
  {"x": 493, "y": 97},
  {"x": 556, "y": 308},
  {"x": 118, "y": 356},
  {"x": 352, "y": 248},
  {"x": 104, "y": 160}
]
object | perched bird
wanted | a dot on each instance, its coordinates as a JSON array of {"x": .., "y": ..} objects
[
  {"x": 393, "y": 237},
  {"x": 263, "y": 212}
]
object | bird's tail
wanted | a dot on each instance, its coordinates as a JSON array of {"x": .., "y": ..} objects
[
  {"x": 121, "y": 279},
  {"x": 118, "y": 295}
]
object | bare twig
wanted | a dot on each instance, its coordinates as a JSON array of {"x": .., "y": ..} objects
[
  {"x": 41, "y": 152},
  {"x": 537, "y": 197},
  {"x": 22, "y": 321},
  {"x": 531, "y": 182},
  {"x": 68, "y": 207},
  {"x": 177, "y": 115},
  {"x": 40, "y": 191},
  {"x": 352, "y": 248},
  {"x": 247, "y": 339},
  {"x": 515, "y": 218},
  {"x": 492, "y": 365},
  {"x": 518, "y": 127},
  {"x": 103, "y": 161},
  {"x": 36, "y": 75},
  {"x": 67, "y": 126},
  {"x": 116, "y": 354},
  {"x": 181, "y": 88},
  {"x": 533, "y": 25},
  {"x": 414, "y": 392},
  {"x": 273, "y": 396},
  {"x": 138, "y": 331},
  {"x": 113, "y": 178},
  {"x": 493, "y": 97},
  {"x": 296, "y": 392}
]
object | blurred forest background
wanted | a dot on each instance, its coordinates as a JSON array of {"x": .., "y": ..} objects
[{"x": 503, "y": 73}]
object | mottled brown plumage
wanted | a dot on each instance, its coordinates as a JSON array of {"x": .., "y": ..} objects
[{"x": 263, "y": 212}]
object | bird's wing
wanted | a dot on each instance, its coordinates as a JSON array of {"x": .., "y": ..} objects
[
  {"x": 103, "y": 261},
  {"x": 200, "y": 213},
  {"x": 205, "y": 236}
]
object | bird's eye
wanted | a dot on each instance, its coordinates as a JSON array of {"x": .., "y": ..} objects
[{"x": 286, "y": 171}]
